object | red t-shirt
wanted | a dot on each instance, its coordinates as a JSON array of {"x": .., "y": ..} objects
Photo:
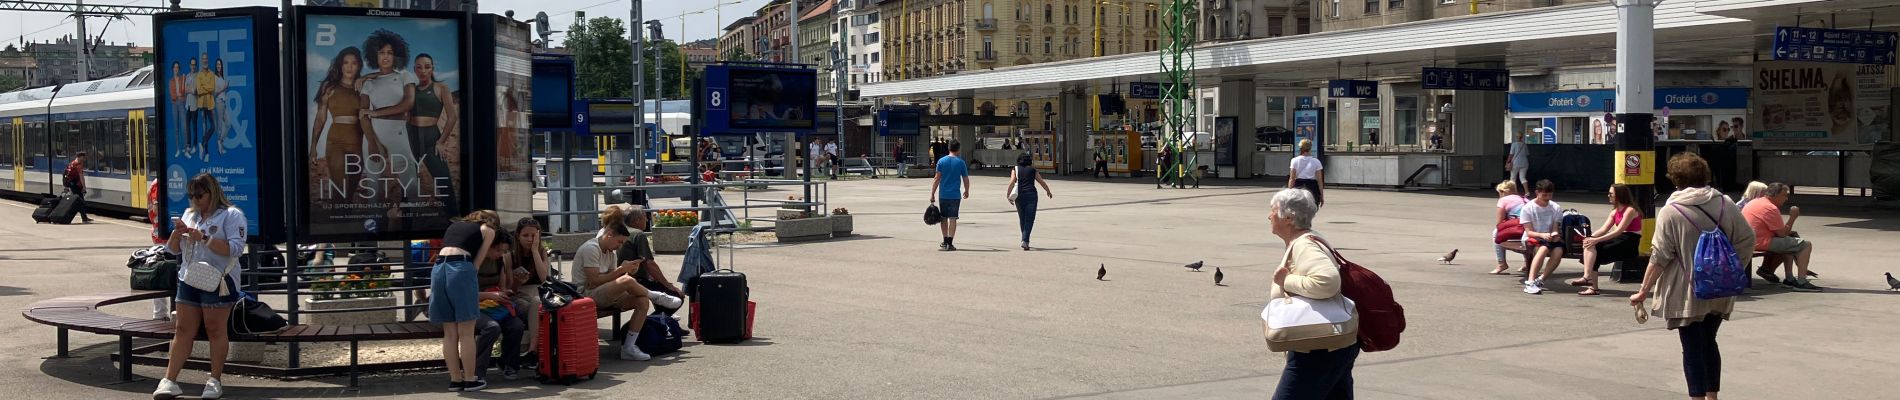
[{"x": 1765, "y": 217}]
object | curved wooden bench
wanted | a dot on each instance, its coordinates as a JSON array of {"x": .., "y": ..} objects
[{"x": 81, "y": 313}]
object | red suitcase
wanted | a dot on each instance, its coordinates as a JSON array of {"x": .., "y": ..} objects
[{"x": 569, "y": 344}]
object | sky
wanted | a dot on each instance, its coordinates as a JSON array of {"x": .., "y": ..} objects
[{"x": 46, "y": 26}]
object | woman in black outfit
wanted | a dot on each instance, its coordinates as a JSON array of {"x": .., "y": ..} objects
[{"x": 1024, "y": 179}]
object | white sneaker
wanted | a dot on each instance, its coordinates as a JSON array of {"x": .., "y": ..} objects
[
  {"x": 664, "y": 300},
  {"x": 213, "y": 389},
  {"x": 1533, "y": 288},
  {"x": 632, "y": 353},
  {"x": 167, "y": 390}
]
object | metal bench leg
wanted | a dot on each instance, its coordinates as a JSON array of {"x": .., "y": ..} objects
[
  {"x": 125, "y": 358},
  {"x": 62, "y": 345},
  {"x": 353, "y": 364}
]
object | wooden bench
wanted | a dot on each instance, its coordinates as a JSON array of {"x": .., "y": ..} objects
[
  {"x": 1624, "y": 268},
  {"x": 81, "y": 313}
]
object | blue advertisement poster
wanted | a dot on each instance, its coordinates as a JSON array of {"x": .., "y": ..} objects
[
  {"x": 1306, "y": 126},
  {"x": 383, "y": 104},
  {"x": 210, "y": 73}
]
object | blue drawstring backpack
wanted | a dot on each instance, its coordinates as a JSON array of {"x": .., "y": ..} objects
[{"x": 1715, "y": 269}]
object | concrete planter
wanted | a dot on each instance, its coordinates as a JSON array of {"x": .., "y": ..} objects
[
  {"x": 840, "y": 225},
  {"x": 671, "y": 240},
  {"x": 802, "y": 229},
  {"x": 916, "y": 172},
  {"x": 353, "y": 317},
  {"x": 785, "y": 213}
]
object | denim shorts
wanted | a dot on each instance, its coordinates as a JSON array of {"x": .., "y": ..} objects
[
  {"x": 202, "y": 299},
  {"x": 950, "y": 208},
  {"x": 453, "y": 292}
]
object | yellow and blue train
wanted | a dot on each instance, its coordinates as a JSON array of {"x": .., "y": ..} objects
[{"x": 110, "y": 119}]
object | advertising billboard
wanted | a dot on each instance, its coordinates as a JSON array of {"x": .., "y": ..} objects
[
  {"x": 743, "y": 99},
  {"x": 553, "y": 97},
  {"x": 216, "y": 91},
  {"x": 1820, "y": 105},
  {"x": 382, "y": 125},
  {"x": 502, "y": 177}
]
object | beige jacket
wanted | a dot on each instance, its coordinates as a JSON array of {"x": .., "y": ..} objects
[
  {"x": 1673, "y": 247},
  {"x": 1315, "y": 274}
]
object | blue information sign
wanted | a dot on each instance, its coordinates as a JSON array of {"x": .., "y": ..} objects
[
  {"x": 900, "y": 122},
  {"x": 1346, "y": 88},
  {"x": 1307, "y": 126},
  {"x": 744, "y": 99},
  {"x": 1835, "y": 45},
  {"x": 1144, "y": 90},
  {"x": 1466, "y": 79}
]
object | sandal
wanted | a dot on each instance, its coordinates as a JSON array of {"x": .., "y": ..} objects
[
  {"x": 1589, "y": 292},
  {"x": 1582, "y": 282},
  {"x": 1500, "y": 270}
]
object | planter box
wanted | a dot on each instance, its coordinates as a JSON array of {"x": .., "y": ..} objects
[
  {"x": 802, "y": 229},
  {"x": 671, "y": 240},
  {"x": 784, "y": 213},
  {"x": 915, "y": 172},
  {"x": 350, "y": 318},
  {"x": 840, "y": 225}
]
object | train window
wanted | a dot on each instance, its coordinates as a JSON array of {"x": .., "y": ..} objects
[
  {"x": 117, "y": 158},
  {"x": 6, "y": 144}
]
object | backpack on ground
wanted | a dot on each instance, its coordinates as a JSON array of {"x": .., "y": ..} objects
[
  {"x": 1572, "y": 228},
  {"x": 1715, "y": 269},
  {"x": 1381, "y": 318}
]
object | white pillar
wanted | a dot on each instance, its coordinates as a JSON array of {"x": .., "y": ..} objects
[{"x": 1636, "y": 56}]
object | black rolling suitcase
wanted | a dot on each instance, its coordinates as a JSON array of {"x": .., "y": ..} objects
[
  {"x": 44, "y": 213},
  {"x": 64, "y": 212},
  {"x": 722, "y": 308}
]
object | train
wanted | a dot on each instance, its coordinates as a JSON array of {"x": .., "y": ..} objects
[{"x": 111, "y": 119}]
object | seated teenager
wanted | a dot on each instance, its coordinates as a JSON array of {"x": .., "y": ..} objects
[
  {"x": 497, "y": 319},
  {"x": 666, "y": 297},
  {"x": 611, "y": 285},
  {"x": 1541, "y": 236}
]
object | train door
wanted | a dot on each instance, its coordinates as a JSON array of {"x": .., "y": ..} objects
[
  {"x": 17, "y": 157},
  {"x": 603, "y": 144},
  {"x": 135, "y": 134}
]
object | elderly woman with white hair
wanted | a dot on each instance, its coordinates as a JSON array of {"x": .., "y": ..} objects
[{"x": 1309, "y": 271}]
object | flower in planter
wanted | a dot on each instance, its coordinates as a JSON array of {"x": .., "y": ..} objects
[
  {"x": 676, "y": 219},
  {"x": 841, "y": 211}
]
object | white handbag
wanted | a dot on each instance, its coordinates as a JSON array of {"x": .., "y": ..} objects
[
  {"x": 202, "y": 275},
  {"x": 1297, "y": 323}
]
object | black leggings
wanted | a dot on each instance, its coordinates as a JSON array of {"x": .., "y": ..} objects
[{"x": 1701, "y": 356}]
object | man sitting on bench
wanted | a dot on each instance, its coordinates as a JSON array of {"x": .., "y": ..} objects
[
  {"x": 1778, "y": 238},
  {"x": 613, "y": 287},
  {"x": 666, "y": 297}
]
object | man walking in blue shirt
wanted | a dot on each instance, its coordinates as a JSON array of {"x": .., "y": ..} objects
[{"x": 952, "y": 172}]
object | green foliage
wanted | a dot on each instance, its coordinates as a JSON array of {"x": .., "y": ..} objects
[{"x": 602, "y": 49}]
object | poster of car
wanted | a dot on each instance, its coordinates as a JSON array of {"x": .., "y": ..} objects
[{"x": 1819, "y": 105}]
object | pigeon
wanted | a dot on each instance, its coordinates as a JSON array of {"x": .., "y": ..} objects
[
  {"x": 1448, "y": 257},
  {"x": 1893, "y": 284},
  {"x": 1196, "y": 266},
  {"x": 1218, "y": 276},
  {"x": 1101, "y": 272}
]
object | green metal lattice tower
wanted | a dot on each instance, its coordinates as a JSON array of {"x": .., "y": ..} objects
[{"x": 1177, "y": 90}]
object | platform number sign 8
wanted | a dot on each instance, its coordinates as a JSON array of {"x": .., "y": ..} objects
[
  {"x": 716, "y": 98},
  {"x": 326, "y": 35}
]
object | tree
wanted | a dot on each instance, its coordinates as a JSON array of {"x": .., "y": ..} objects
[
  {"x": 10, "y": 83},
  {"x": 604, "y": 56},
  {"x": 668, "y": 59},
  {"x": 12, "y": 49}
]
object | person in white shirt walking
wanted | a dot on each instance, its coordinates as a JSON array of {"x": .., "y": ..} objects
[
  {"x": 1307, "y": 172},
  {"x": 1519, "y": 161},
  {"x": 831, "y": 157}
]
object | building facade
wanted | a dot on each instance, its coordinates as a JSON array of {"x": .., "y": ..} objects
[
  {"x": 1254, "y": 19},
  {"x": 863, "y": 24},
  {"x": 58, "y": 63},
  {"x": 735, "y": 42},
  {"x": 817, "y": 30}
]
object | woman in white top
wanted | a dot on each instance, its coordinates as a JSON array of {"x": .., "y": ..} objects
[
  {"x": 1308, "y": 173},
  {"x": 211, "y": 231},
  {"x": 391, "y": 92}
]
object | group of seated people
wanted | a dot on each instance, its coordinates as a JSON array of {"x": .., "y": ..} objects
[
  {"x": 1620, "y": 236},
  {"x": 616, "y": 268}
]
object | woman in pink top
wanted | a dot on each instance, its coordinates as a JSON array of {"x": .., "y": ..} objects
[
  {"x": 1508, "y": 202},
  {"x": 1615, "y": 241}
]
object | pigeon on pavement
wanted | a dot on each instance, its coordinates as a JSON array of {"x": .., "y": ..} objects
[
  {"x": 1448, "y": 257},
  {"x": 1196, "y": 266},
  {"x": 1218, "y": 276},
  {"x": 1892, "y": 284},
  {"x": 1101, "y": 272}
]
